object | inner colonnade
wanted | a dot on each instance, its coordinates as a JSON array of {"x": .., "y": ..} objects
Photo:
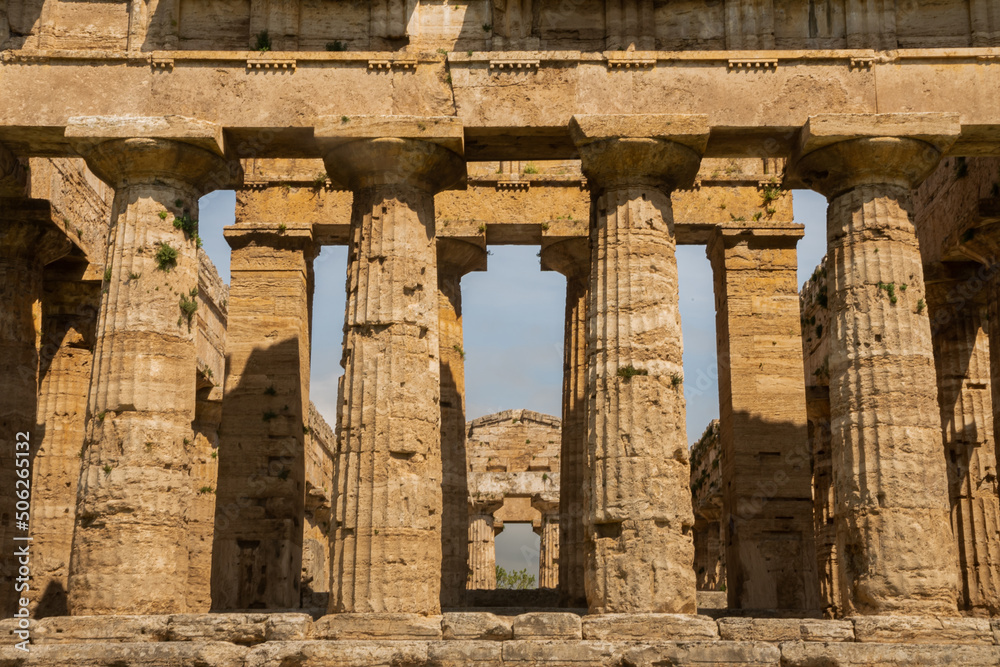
[{"x": 399, "y": 466}]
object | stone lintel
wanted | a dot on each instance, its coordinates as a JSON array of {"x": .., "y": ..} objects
[
  {"x": 85, "y": 131},
  {"x": 48, "y": 242},
  {"x": 940, "y": 130},
  {"x": 689, "y": 130},
  {"x": 446, "y": 131}
]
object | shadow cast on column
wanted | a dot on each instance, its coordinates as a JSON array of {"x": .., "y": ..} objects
[{"x": 257, "y": 547}]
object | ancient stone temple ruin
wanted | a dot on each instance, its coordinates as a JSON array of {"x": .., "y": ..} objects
[{"x": 169, "y": 496}]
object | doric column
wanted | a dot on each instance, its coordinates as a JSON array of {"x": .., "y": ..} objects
[
  {"x": 257, "y": 554},
  {"x": 455, "y": 259},
  {"x": 130, "y": 547},
  {"x": 482, "y": 568},
  {"x": 962, "y": 360},
  {"x": 387, "y": 520},
  {"x": 548, "y": 532},
  {"x": 889, "y": 473},
  {"x": 71, "y": 301},
  {"x": 572, "y": 259},
  {"x": 639, "y": 513},
  {"x": 766, "y": 475},
  {"x": 28, "y": 240}
]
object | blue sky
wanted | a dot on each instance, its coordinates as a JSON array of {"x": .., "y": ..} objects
[{"x": 513, "y": 325}]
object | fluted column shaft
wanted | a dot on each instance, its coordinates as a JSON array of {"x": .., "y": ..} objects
[
  {"x": 572, "y": 259},
  {"x": 130, "y": 549},
  {"x": 259, "y": 512},
  {"x": 20, "y": 288},
  {"x": 548, "y": 555},
  {"x": 638, "y": 484},
  {"x": 889, "y": 473},
  {"x": 482, "y": 551},
  {"x": 387, "y": 535},
  {"x": 962, "y": 360},
  {"x": 455, "y": 259},
  {"x": 766, "y": 476},
  {"x": 70, "y": 308}
]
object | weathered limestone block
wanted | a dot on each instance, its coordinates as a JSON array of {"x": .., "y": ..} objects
[
  {"x": 689, "y": 654},
  {"x": 809, "y": 654},
  {"x": 70, "y": 306},
  {"x": 28, "y": 241},
  {"x": 548, "y": 625},
  {"x": 785, "y": 629},
  {"x": 455, "y": 259},
  {"x": 257, "y": 552},
  {"x": 649, "y": 627},
  {"x": 130, "y": 547},
  {"x": 638, "y": 495},
  {"x": 572, "y": 259},
  {"x": 140, "y": 654},
  {"x": 387, "y": 554},
  {"x": 348, "y": 626},
  {"x": 962, "y": 361},
  {"x": 318, "y": 653},
  {"x": 890, "y": 476},
  {"x": 476, "y": 625},
  {"x": 766, "y": 478},
  {"x": 922, "y": 630}
]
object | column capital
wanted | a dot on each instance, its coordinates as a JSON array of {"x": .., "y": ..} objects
[
  {"x": 782, "y": 237},
  {"x": 147, "y": 151},
  {"x": 839, "y": 152},
  {"x": 570, "y": 257},
  {"x": 284, "y": 237},
  {"x": 369, "y": 151},
  {"x": 27, "y": 227},
  {"x": 13, "y": 177},
  {"x": 658, "y": 150},
  {"x": 457, "y": 258}
]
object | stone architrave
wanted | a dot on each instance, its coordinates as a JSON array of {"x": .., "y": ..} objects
[
  {"x": 130, "y": 548},
  {"x": 639, "y": 504},
  {"x": 767, "y": 517},
  {"x": 572, "y": 259},
  {"x": 455, "y": 259},
  {"x": 260, "y": 502},
  {"x": 890, "y": 477},
  {"x": 387, "y": 519}
]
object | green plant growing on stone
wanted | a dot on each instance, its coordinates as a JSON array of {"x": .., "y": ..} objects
[
  {"x": 335, "y": 45},
  {"x": 269, "y": 415},
  {"x": 487, "y": 27},
  {"x": 215, "y": 453},
  {"x": 107, "y": 469},
  {"x": 920, "y": 306},
  {"x": 626, "y": 373},
  {"x": 319, "y": 182},
  {"x": 166, "y": 257},
  {"x": 482, "y": 228},
  {"x": 676, "y": 379},
  {"x": 164, "y": 215},
  {"x": 282, "y": 228},
  {"x": 771, "y": 193},
  {"x": 757, "y": 216},
  {"x": 101, "y": 415},
  {"x": 345, "y": 120},
  {"x": 263, "y": 41},
  {"x": 271, "y": 391},
  {"x": 179, "y": 203},
  {"x": 134, "y": 276},
  {"x": 530, "y": 168},
  {"x": 890, "y": 289},
  {"x": 458, "y": 348},
  {"x": 188, "y": 308},
  {"x": 205, "y": 489},
  {"x": 187, "y": 224},
  {"x": 514, "y": 580},
  {"x": 107, "y": 275}
]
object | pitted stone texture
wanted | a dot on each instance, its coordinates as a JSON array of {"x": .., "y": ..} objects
[
  {"x": 724, "y": 654},
  {"x": 130, "y": 548},
  {"x": 642, "y": 627},
  {"x": 892, "y": 496},
  {"x": 547, "y": 625},
  {"x": 477, "y": 625},
  {"x": 807, "y": 654},
  {"x": 766, "y": 513},
  {"x": 159, "y": 654},
  {"x": 387, "y": 553},
  {"x": 347, "y": 626},
  {"x": 785, "y": 629},
  {"x": 637, "y": 495},
  {"x": 922, "y": 630},
  {"x": 374, "y": 654},
  {"x": 260, "y": 498}
]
